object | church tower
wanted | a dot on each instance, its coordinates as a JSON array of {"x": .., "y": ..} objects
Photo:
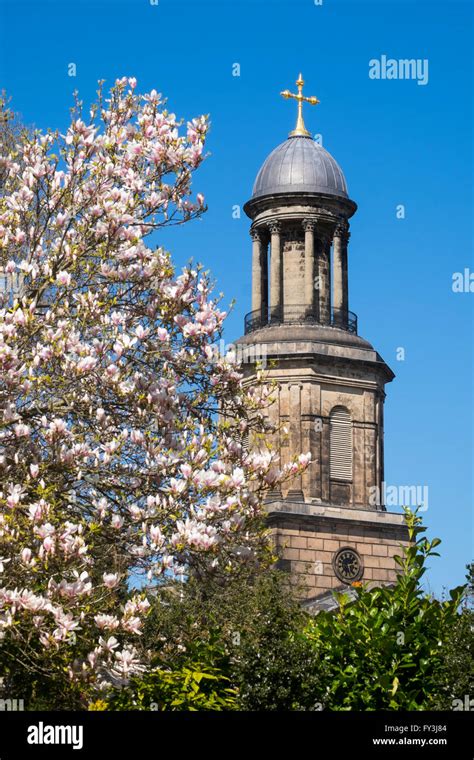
[{"x": 329, "y": 525}]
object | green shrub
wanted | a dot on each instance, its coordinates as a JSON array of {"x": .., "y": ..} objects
[{"x": 385, "y": 650}]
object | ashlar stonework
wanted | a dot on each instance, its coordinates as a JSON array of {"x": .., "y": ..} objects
[{"x": 331, "y": 382}]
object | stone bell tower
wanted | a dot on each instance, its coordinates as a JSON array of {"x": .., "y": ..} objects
[{"x": 329, "y": 527}]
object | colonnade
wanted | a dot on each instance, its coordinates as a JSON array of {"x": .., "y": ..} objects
[{"x": 317, "y": 272}]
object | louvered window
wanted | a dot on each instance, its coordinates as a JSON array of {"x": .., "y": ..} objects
[{"x": 341, "y": 444}]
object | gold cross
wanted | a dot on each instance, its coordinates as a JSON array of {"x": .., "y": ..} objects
[{"x": 300, "y": 128}]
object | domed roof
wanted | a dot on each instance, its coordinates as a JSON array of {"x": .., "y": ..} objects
[{"x": 300, "y": 165}]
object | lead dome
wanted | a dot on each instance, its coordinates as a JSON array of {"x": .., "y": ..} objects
[{"x": 299, "y": 164}]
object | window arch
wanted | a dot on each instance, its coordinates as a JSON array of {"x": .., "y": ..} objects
[{"x": 340, "y": 442}]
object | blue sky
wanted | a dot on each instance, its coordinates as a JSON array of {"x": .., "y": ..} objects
[{"x": 398, "y": 142}]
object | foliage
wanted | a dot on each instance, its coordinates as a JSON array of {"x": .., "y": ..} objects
[
  {"x": 121, "y": 460},
  {"x": 385, "y": 649},
  {"x": 275, "y": 665},
  {"x": 455, "y": 678},
  {"x": 114, "y": 463},
  {"x": 258, "y": 622},
  {"x": 197, "y": 684},
  {"x": 392, "y": 647}
]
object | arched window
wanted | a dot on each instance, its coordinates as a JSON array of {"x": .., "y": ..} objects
[{"x": 340, "y": 462}]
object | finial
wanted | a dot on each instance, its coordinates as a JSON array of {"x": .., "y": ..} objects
[{"x": 300, "y": 128}]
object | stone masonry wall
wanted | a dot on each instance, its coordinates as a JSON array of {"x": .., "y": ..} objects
[{"x": 308, "y": 552}]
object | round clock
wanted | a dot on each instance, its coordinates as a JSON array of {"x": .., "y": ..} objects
[{"x": 348, "y": 565}]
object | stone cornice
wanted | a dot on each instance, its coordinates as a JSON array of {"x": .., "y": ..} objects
[
  {"x": 335, "y": 205},
  {"x": 299, "y": 512}
]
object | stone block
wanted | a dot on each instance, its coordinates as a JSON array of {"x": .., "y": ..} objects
[
  {"x": 371, "y": 561},
  {"x": 298, "y": 542},
  {"x": 315, "y": 543}
]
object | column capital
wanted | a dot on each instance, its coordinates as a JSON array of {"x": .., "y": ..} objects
[
  {"x": 274, "y": 227},
  {"x": 308, "y": 225},
  {"x": 256, "y": 233},
  {"x": 342, "y": 231}
]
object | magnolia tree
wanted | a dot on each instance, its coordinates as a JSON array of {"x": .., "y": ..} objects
[{"x": 121, "y": 426}]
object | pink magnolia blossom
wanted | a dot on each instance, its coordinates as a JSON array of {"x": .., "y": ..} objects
[
  {"x": 108, "y": 622},
  {"x": 112, "y": 389},
  {"x": 110, "y": 580},
  {"x": 63, "y": 278},
  {"x": 26, "y": 555},
  {"x": 22, "y": 430}
]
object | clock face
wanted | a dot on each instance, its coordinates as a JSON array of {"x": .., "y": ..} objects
[{"x": 347, "y": 565}]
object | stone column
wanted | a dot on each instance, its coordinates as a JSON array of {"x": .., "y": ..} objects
[
  {"x": 274, "y": 415},
  {"x": 370, "y": 443},
  {"x": 309, "y": 268},
  {"x": 264, "y": 245},
  {"x": 276, "y": 280},
  {"x": 307, "y": 444},
  {"x": 340, "y": 292},
  {"x": 257, "y": 295},
  {"x": 358, "y": 465},
  {"x": 11, "y": 284},
  {"x": 324, "y": 281},
  {"x": 325, "y": 443},
  {"x": 295, "y": 492},
  {"x": 381, "y": 447},
  {"x": 315, "y": 442}
]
